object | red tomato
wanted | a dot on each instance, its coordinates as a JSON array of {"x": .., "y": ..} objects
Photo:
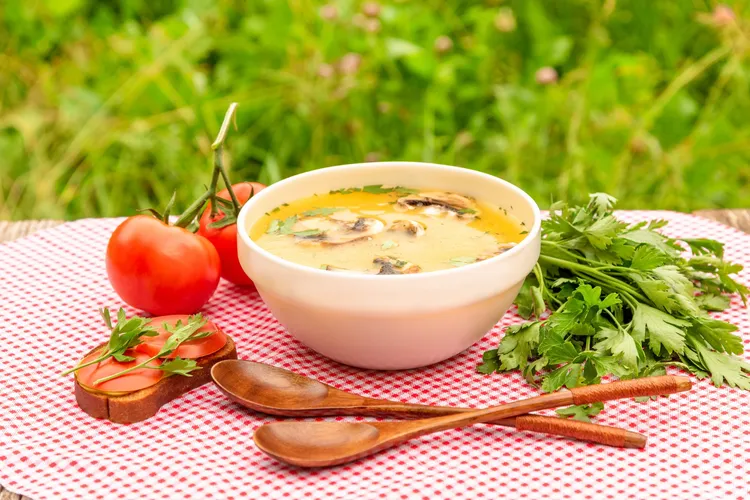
[
  {"x": 225, "y": 238},
  {"x": 161, "y": 269},
  {"x": 133, "y": 381},
  {"x": 192, "y": 349}
]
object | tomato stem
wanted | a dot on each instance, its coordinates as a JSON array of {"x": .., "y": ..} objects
[
  {"x": 192, "y": 211},
  {"x": 212, "y": 190},
  {"x": 218, "y": 147},
  {"x": 168, "y": 209},
  {"x": 225, "y": 176}
]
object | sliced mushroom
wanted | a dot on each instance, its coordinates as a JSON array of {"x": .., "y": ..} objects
[
  {"x": 439, "y": 202},
  {"x": 335, "y": 232},
  {"x": 501, "y": 248},
  {"x": 345, "y": 215},
  {"x": 391, "y": 265},
  {"x": 410, "y": 227},
  {"x": 359, "y": 225}
]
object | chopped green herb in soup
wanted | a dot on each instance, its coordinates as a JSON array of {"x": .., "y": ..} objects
[{"x": 386, "y": 230}]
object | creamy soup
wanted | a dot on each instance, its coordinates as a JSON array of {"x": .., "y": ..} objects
[{"x": 382, "y": 230}]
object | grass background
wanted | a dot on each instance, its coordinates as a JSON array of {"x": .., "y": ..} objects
[{"x": 109, "y": 105}]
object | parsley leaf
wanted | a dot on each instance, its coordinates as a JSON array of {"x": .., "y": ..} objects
[
  {"x": 462, "y": 261},
  {"x": 722, "y": 367},
  {"x": 711, "y": 302},
  {"x": 517, "y": 345},
  {"x": 379, "y": 189},
  {"x": 646, "y": 257},
  {"x": 345, "y": 191},
  {"x": 663, "y": 330},
  {"x": 321, "y": 211},
  {"x": 179, "y": 366},
  {"x": 274, "y": 226},
  {"x": 601, "y": 203},
  {"x": 307, "y": 233},
  {"x": 581, "y": 412},
  {"x": 702, "y": 246},
  {"x": 621, "y": 345},
  {"x": 288, "y": 224}
]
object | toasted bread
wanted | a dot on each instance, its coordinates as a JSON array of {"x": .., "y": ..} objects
[{"x": 140, "y": 405}]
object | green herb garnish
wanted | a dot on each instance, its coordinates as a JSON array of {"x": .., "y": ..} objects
[
  {"x": 345, "y": 191},
  {"x": 308, "y": 233},
  {"x": 274, "y": 226},
  {"x": 124, "y": 335},
  {"x": 178, "y": 334},
  {"x": 321, "y": 211},
  {"x": 286, "y": 226},
  {"x": 581, "y": 412},
  {"x": 396, "y": 262},
  {"x": 375, "y": 189},
  {"x": 624, "y": 301},
  {"x": 388, "y": 244},
  {"x": 178, "y": 366},
  {"x": 379, "y": 189},
  {"x": 462, "y": 261},
  {"x": 278, "y": 226},
  {"x": 467, "y": 211}
]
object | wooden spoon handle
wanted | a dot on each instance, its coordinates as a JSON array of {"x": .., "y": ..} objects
[
  {"x": 649, "y": 386},
  {"x": 601, "y": 434},
  {"x": 594, "y": 433},
  {"x": 652, "y": 386}
]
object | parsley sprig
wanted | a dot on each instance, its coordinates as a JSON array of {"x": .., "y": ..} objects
[
  {"x": 179, "y": 333},
  {"x": 128, "y": 333},
  {"x": 125, "y": 334},
  {"x": 608, "y": 298}
]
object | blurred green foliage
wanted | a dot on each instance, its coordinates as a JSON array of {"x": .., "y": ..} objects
[{"x": 110, "y": 105}]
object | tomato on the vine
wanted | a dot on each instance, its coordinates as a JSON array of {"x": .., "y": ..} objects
[
  {"x": 167, "y": 269},
  {"x": 160, "y": 268},
  {"x": 225, "y": 238}
]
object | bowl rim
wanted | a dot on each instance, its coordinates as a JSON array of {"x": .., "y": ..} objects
[{"x": 533, "y": 234}]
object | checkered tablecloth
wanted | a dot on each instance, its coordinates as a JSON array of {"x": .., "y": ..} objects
[{"x": 200, "y": 446}]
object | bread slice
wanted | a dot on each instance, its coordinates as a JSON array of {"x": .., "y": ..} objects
[{"x": 140, "y": 405}]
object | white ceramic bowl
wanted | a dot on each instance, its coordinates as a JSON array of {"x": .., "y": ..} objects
[{"x": 390, "y": 322}]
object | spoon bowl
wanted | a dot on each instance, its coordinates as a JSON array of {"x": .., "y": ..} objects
[
  {"x": 268, "y": 389},
  {"x": 329, "y": 443}
]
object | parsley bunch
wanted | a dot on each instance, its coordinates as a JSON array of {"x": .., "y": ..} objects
[{"x": 609, "y": 298}]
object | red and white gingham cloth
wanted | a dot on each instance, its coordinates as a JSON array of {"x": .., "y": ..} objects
[{"x": 200, "y": 446}]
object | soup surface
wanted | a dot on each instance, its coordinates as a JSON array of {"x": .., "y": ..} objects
[{"x": 382, "y": 230}]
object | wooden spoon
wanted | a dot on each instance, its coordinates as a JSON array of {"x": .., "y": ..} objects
[
  {"x": 277, "y": 391},
  {"x": 322, "y": 444}
]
